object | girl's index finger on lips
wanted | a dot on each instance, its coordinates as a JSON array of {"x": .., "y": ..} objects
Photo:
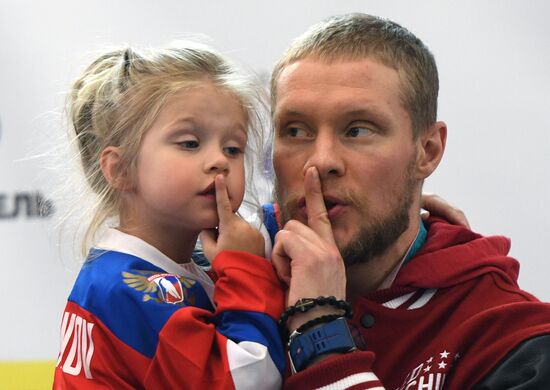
[{"x": 222, "y": 200}]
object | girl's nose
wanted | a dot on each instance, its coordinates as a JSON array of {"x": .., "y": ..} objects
[{"x": 217, "y": 162}]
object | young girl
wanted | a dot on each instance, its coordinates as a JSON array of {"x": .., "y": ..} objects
[{"x": 161, "y": 138}]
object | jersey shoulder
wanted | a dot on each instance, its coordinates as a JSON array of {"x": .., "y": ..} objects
[{"x": 132, "y": 297}]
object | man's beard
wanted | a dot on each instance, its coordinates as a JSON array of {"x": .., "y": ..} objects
[{"x": 376, "y": 236}]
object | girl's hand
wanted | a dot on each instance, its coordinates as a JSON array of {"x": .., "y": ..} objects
[
  {"x": 439, "y": 207},
  {"x": 233, "y": 232}
]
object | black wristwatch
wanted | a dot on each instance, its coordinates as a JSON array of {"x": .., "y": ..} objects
[{"x": 333, "y": 336}]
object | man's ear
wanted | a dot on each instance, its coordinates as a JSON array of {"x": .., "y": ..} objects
[
  {"x": 431, "y": 145},
  {"x": 110, "y": 163}
]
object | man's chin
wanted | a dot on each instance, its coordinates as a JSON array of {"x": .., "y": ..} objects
[
  {"x": 342, "y": 238},
  {"x": 374, "y": 240}
]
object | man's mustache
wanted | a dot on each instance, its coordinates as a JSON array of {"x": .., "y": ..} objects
[{"x": 291, "y": 201}]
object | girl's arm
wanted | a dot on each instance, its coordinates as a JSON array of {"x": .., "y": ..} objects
[{"x": 129, "y": 336}]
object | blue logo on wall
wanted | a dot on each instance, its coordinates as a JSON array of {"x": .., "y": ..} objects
[{"x": 28, "y": 205}]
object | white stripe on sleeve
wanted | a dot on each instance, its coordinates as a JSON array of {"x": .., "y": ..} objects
[
  {"x": 251, "y": 366},
  {"x": 353, "y": 380}
]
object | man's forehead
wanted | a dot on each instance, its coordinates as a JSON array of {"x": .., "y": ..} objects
[
  {"x": 349, "y": 84},
  {"x": 348, "y": 72}
]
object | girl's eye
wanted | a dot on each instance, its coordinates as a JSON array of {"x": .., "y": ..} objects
[
  {"x": 189, "y": 144},
  {"x": 296, "y": 132},
  {"x": 233, "y": 150},
  {"x": 357, "y": 131}
]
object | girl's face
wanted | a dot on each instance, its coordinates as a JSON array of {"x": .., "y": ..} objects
[{"x": 199, "y": 133}]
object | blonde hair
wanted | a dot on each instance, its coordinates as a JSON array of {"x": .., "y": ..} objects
[
  {"x": 356, "y": 36},
  {"x": 117, "y": 98}
]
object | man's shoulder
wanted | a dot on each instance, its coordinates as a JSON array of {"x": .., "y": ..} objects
[{"x": 453, "y": 255}]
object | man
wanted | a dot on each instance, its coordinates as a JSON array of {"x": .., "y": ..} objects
[{"x": 435, "y": 305}]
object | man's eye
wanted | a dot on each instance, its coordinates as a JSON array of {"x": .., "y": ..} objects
[
  {"x": 189, "y": 144},
  {"x": 358, "y": 132},
  {"x": 233, "y": 150}
]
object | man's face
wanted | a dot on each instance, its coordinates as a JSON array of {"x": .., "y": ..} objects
[{"x": 347, "y": 120}]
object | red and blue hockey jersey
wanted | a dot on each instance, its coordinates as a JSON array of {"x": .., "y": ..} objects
[{"x": 136, "y": 319}]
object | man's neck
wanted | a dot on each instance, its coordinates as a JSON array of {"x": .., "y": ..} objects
[{"x": 367, "y": 277}]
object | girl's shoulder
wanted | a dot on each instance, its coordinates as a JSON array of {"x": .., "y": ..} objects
[
  {"x": 133, "y": 298},
  {"x": 106, "y": 275}
]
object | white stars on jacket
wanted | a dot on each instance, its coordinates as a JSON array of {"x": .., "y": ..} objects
[{"x": 431, "y": 373}]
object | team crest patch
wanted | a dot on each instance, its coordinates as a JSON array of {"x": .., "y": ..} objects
[
  {"x": 161, "y": 287},
  {"x": 169, "y": 286}
]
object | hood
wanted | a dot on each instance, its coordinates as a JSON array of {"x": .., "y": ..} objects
[{"x": 453, "y": 254}]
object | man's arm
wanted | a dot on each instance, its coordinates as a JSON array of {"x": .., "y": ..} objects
[{"x": 526, "y": 367}]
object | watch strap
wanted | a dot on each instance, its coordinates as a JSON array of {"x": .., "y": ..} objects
[{"x": 330, "y": 337}]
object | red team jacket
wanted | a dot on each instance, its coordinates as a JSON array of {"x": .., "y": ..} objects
[
  {"x": 135, "y": 319},
  {"x": 451, "y": 320}
]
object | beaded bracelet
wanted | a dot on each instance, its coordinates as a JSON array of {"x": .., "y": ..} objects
[{"x": 305, "y": 304}]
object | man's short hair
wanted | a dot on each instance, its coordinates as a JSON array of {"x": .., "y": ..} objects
[{"x": 356, "y": 36}]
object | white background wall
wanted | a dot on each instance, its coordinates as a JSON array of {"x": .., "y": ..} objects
[{"x": 494, "y": 61}]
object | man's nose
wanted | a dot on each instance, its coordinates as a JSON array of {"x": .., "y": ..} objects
[{"x": 326, "y": 156}]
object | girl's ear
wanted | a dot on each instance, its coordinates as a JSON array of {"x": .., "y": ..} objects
[{"x": 110, "y": 163}]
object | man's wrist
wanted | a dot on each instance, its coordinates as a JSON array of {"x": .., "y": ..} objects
[
  {"x": 299, "y": 319},
  {"x": 297, "y": 314}
]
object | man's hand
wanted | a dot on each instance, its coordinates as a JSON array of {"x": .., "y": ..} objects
[
  {"x": 307, "y": 258},
  {"x": 233, "y": 232}
]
